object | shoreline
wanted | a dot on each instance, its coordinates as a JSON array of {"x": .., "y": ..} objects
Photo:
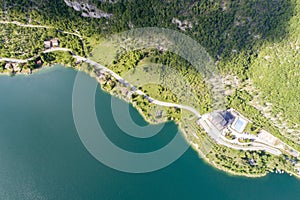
[
  {"x": 192, "y": 145},
  {"x": 222, "y": 169}
]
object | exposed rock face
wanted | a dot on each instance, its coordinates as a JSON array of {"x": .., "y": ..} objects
[
  {"x": 183, "y": 25},
  {"x": 109, "y": 1},
  {"x": 87, "y": 9}
]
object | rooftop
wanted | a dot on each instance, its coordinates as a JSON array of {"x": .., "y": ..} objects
[{"x": 218, "y": 120}]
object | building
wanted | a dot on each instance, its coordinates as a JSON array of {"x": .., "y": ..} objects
[
  {"x": 8, "y": 66},
  {"x": 221, "y": 119},
  {"x": 98, "y": 73},
  {"x": 15, "y": 67},
  {"x": 124, "y": 91},
  {"x": 47, "y": 44},
  {"x": 51, "y": 43},
  {"x": 228, "y": 119},
  {"x": 55, "y": 42},
  {"x": 129, "y": 95},
  {"x": 159, "y": 114},
  {"x": 39, "y": 62},
  {"x": 252, "y": 162}
]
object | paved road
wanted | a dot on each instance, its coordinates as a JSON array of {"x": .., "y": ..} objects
[
  {"x": 13, "y": 60},
  {"x": 91, "y": 62},
  {"x": 58, "y": 49},
  {"x": 154, "y": 101},
  {"x": 208, "y": 127},
  {"x": 212, "y": 131},
  {"x": 209, "y": 130},
  {"x": 161, "y": 103}
]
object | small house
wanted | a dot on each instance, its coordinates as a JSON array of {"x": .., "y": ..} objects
[
  {"x": 55, "y": 42},
  {"x": 218, "y": 120},
  {"x": 39, "y": 62},
  {"x": 16, "y": 67},
  {"x": 124, "y": 91},
  {"x": 8, "y": 66},
  {"x": 47, "y": 44},
  {"x": 159, "y": 113}
]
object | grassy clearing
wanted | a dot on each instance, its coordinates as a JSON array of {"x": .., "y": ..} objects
[
  {"x": 104, "y": 53},
  {"x": 159, "y": 92}
]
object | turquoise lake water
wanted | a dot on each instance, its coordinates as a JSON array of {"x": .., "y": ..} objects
[{"x": 42, "y": 157}]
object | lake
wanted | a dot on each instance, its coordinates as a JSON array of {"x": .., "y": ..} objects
[{"x": 42, "y": 157}]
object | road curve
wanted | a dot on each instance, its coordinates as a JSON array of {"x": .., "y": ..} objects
[
  {"x": 154, "y": 101},
  {"x": 13, "y": 60}
]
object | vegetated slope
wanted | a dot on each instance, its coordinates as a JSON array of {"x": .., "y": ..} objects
[
  {"x": 276, "y": 73},
  {"x": 236, "y": 33},
  {"x": 249, "y": 38},
  {"x": 221, "y": 26}
]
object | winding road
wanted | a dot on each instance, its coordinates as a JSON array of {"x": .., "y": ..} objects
[
  {"x": 91, "y": 62},
  {"x": 13, "y": 60},
  {"x": 213, "y": 133},
  {"x": 154, "y": 101},
  {"x": 201, "y": 121}
]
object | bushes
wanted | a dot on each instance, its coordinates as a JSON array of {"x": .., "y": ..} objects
[{"x": 240, "y": 101}]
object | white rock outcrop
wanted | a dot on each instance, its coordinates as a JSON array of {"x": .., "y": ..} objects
[
  {"x": 183, "y": 25},
  {"x": 87, "y": 9}
]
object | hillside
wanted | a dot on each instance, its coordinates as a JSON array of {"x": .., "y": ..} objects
[{"x": 254, "y": 44}]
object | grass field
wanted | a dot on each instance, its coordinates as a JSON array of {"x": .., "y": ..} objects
[{"x": 104, "y": 53}]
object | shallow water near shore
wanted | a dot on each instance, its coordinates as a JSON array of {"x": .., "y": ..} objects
[{"x": 42, "y": 157}]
